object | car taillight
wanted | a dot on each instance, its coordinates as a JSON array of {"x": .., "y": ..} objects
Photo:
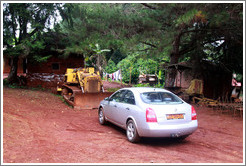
[
  {"x": 193, "y": 113},
  {"x": 150, "y": 115}
]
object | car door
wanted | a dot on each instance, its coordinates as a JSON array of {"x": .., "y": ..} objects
[
  {"x": 113, "y": 105},
  {"x": 124, "y": 108}
]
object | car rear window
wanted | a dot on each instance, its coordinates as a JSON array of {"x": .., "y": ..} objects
[{"x": 160, "y": 98}]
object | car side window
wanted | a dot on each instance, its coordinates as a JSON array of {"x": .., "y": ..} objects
[
  {"x": 129, "y": 98},
  {"x": 118, "y": 97}
]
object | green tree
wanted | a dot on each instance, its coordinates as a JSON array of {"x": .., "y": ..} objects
[
  {"x": 111, "y": 67},
  {"x": 126, "y": 66},
  {"x": 134, "y": 65},
  {"x": 162, "y": 32},
  {"x": 23, "y": 26},
  {"x": 112, "y": 26},
  {"x": 189, "y": 28},
  {"x": 98, "y": 55}
]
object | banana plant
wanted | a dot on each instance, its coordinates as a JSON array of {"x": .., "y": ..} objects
[{"x": 98, "y": 54}]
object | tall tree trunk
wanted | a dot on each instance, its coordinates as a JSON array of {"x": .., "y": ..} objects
[
  {"x": 174, "y": 57},
  {"x": 98, "y": 65},
  {"x": 12, "y": 78}
]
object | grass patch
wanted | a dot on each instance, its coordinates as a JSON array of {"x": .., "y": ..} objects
[
  {"x": 148, "y": 85},
  {"x": 38, "y": 88},
  {"x": 112, "y": 89},
  {"x": 13, "y": 86},
  {"x": 62, "y": 99}
]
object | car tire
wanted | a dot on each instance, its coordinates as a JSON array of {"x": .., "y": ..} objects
[
  {"x": 101, "y": 116},
  {"x": 131, "y": 132},
  {"x": 181, "y": 138}
]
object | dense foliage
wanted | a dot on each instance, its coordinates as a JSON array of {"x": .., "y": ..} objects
[
  {"x": 135, "y": 37},
  {"x": 134, "y": 65},
  {"x": 24, "y": 28}
]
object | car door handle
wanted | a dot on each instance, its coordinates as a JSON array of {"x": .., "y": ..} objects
[
  {"x": 115, "y": 105},
  {"x": 128, "y": 108}
]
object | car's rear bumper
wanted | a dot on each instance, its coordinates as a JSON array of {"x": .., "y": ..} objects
[{"x": 156, "y": 130}]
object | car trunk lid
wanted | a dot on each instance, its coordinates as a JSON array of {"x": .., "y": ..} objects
[{"x": 176, "y": 113}]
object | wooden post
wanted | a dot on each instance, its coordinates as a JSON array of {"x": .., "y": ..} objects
[
  {"x": 120, "y": 77},
  {"x": 130, "y": 75},
  {"x": 180, "y": 78}
]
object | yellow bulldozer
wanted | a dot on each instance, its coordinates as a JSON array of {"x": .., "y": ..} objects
[{"x": 82, "y": 88}]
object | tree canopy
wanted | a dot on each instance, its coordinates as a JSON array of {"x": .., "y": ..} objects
[
  {"x": 24, "y": 26},
  {"x": 153, "y": 33}
]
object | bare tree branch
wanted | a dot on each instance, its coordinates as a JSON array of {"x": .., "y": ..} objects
[
  {"x": 152, "y": 45},
  {"x": 149, "y": 6},
  {"x": 147, "y": 49}
]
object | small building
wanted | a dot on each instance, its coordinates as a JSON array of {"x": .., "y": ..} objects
[
  {"x": 215, "y": 77},
  {"x": 45, "y": 74},
  {"x": 152, "y": 79},
  {"x": 56, "y": 64}
]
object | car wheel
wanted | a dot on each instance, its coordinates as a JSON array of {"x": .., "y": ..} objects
[
  {"x": 181, "y": 138},
  {"x": 101, "y": 116},
  {"x": 131, "y": 132}
]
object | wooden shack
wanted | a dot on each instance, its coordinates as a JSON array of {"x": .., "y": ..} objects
[
  {"x": 216, "y": 78},
  {"x": 151, "y": 79}
]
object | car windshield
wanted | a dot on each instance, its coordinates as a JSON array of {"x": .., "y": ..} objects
[{"x": 160, "y": 98}]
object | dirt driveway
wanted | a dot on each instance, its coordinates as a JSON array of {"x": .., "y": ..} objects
[{"x": 39, "y": 128}]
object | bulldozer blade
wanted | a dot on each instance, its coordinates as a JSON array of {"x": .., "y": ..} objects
[{"x": 89, "y": 100}]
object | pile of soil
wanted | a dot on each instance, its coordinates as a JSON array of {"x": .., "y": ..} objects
[{"x": 114, "y": 85}]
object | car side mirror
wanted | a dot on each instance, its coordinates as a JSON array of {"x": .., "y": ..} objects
[{"x": 106, "y": 99}]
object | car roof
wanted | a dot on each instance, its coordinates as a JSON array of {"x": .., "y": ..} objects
[{"x": 146, "y": 89}]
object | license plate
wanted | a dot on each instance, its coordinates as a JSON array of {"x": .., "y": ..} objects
[{"x": 175, "y": 116}]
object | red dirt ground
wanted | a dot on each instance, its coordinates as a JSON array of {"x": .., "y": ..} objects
[
  {"x": 114, "y": 85},
  {"x": 39, "y": 128}
]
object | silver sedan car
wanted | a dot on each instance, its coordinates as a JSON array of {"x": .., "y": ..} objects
[{"x": 148, "y": 112}]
